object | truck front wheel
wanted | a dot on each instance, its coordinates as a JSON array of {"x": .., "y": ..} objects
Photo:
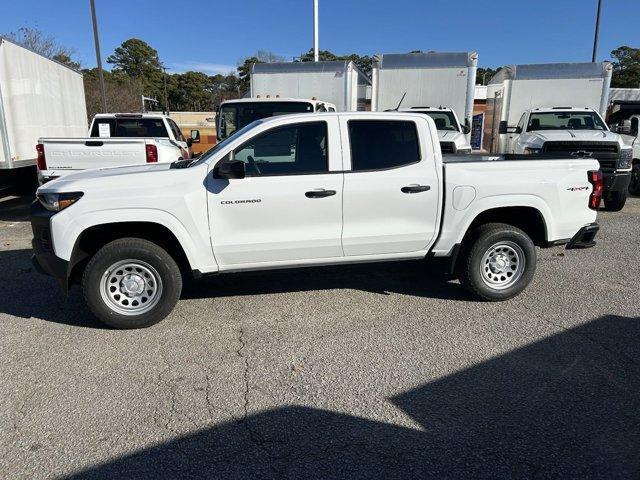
[
  {"x": 498, "y": 262},
  {"x": 614, "y": 201},
  {"x": 131, "y": 283}
]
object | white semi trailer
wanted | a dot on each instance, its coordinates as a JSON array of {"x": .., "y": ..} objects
[
  {"x": 38, "y": 98},
  {"x": 434, "y": 79},
  {"x": 341, "y": 83},
  {"x": 518, "y": 88}
]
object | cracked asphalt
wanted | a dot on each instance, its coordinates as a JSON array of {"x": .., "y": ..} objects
[{"x": 370, "y": 371}]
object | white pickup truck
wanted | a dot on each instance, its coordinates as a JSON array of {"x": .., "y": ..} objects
[
  {"x": 576, "y": 132},
  {"x": 308, "y": 189},
  {"x": 114, "y": 140},
  {"x": 451, "y": 132}
]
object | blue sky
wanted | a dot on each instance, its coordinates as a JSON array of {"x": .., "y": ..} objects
[{"x": 212, "y": 35}]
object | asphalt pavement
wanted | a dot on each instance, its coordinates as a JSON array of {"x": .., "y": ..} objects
[{"x": 370, "y": 371}]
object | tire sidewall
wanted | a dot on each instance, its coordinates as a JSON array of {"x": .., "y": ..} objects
[
  {"x": 133, "y": 250},
  {"x": 482, "y": 244}
]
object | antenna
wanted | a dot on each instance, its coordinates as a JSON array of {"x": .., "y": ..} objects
[{"x": 400, "y": 102}]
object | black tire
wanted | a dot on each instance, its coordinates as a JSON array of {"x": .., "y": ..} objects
[
  {"x": 614, "y": 201},
  {"x": 153, "y": 263},
  {"x": 511, "y": 247},
  {"x": 634, "y": 185}
]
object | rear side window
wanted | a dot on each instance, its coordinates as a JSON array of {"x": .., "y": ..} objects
[
  {"x": 382, "y": 144},
  {"x": 131, "y": 127}
]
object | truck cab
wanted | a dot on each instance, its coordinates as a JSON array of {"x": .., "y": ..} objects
[
  {"x": 451, "y": 133},
  {"x": 629, "y": 130},
  {"x": 575, "y": 132},
  {"x": 236, "y": 114}
]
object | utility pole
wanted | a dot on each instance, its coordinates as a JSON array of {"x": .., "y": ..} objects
[
  {"x": 316, "y": 54},
  {"x": 595, "y": 36},
  {"x": 166, "y": 97},
  {"x": 98, "y": 56}
]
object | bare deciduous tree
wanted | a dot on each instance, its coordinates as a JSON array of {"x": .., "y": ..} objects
[{"x": 38, "y": 41}]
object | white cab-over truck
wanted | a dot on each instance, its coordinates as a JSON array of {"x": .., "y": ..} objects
[
  {"x": 303, "y": 190},
  {"x": 236, "y": 114},
  {"x": 451, "y": 133},
  {"x": 114, "y": 140},
  {"x": 576, "y": 132}
]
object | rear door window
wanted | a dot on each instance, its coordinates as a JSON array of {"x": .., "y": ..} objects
[
  {"x": 382, "y": 144},
  {"x": 131, "y": 127}
]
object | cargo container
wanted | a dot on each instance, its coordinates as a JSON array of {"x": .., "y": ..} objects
[
  {"x": 517, "y": 88},
  {"x": 38, "y": 97},
  {"x": 341, "y": 83},
  {"x": 435, "y": 79}
]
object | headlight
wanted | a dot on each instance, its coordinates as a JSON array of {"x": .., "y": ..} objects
[
  {"x": 626, "y": 156},
  {"x": 531, "y": 151},
  {"x": 58, "y": 201}
]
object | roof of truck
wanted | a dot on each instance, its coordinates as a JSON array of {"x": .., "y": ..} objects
[
  {"x": 426, "y": 109},
  {"x": 548, "y": 71},
  {"x": 425, "y": 60},
  {"x": 130, "y": 115},
  {"x": 276, "y": 99},
  {"x": 561, "y": 109}
]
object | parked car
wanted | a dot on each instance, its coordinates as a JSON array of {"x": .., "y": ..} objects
[
  {"x": 452, "y": 134},
  {"x": 116, "y": 139},
  {"x": 302, "y": 190},
  {"x": 574, "y": 131},
  {"x": 236, "y": 114}
]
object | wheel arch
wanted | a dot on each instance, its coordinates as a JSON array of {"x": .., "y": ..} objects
[
  {"x": 91, "y": 239},
  {"x": 527, "y": 218}
]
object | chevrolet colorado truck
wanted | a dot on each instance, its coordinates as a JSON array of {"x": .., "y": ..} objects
[
  {"x": 118, "y": 139},
  {"x": 303, "y": 190},
  {"x": 577, "y": 132}
]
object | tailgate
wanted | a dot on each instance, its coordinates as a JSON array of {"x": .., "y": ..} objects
[{"x": 85, "y": 153}]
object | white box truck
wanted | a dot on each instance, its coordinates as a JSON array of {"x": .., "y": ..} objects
[
  {"x": 341, "y": 83},
  {"x": 38, "y": 97},
  {"x": 516, "y": 88},
  {"x": 430, "y": 80}
]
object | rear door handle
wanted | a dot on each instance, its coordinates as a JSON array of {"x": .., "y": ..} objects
[
  {"x": 415, "y": 188},
  {"x": 320, "y": 193}
]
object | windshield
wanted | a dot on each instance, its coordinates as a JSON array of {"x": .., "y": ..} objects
[
  {"x": 220, "y": 145},
  {"x": 444, "y": 120},
  {"x": 234, "y": 116},
  {"x": 565, "y": 121}
]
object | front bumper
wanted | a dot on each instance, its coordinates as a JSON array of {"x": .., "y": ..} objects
[
  {"x": 616, "y": 181},
  {"x": 585, "y": 237},
  {"x": 44, "y": 258}
]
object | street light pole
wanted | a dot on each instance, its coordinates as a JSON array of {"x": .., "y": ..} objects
[
  {"x": 98, "y": 56},
  {"x": 595, "y": 36},
  {"x": 316, "y": 54}
]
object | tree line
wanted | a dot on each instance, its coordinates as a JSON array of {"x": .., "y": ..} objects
[{"x": 136, "y": 70}]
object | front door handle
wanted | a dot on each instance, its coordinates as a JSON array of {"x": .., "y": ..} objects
[
  {"x": 320, "y": 193},
  {"x": 415, "y": 188}
]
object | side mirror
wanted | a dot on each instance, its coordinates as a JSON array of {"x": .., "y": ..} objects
[
  {"x": 625, "y": 127},
  {"x": 502, "y": 128},
  {"x": 195, "y": 136},
  {"x": 230, "y": 169},
  {"x": 514, "y": 130},
  {"x": 466, "y": 128},
  {"x": 189, "y": 142}
]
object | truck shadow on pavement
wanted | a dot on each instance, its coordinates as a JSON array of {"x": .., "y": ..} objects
[
  {"x": 20, "y": 280},
  {"x": 563, "y": 407},
  {"x": 15, "y": 209}
]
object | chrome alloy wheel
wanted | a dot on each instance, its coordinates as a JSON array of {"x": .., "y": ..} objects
[
  {"x": 502, "y": 265},
  {"x": 131, "y": 287}
]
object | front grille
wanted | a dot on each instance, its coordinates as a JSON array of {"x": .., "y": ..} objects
[
  {"x": 448, "y": 147},
  {"x": 607, "y": 153}
]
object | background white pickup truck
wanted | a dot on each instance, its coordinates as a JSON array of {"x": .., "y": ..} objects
[
  {"x": 452, "y": 134},
  {"x": 579, "y": 132},
  {"x": 114, "y": 140},
  {"x": 301, "y": 190}
]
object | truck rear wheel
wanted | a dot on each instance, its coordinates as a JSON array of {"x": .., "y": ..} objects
[
  {"x": 498, "y": 262},
  {"x": 614, "y": 201},
  {"x": 131, "y": 283}
]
